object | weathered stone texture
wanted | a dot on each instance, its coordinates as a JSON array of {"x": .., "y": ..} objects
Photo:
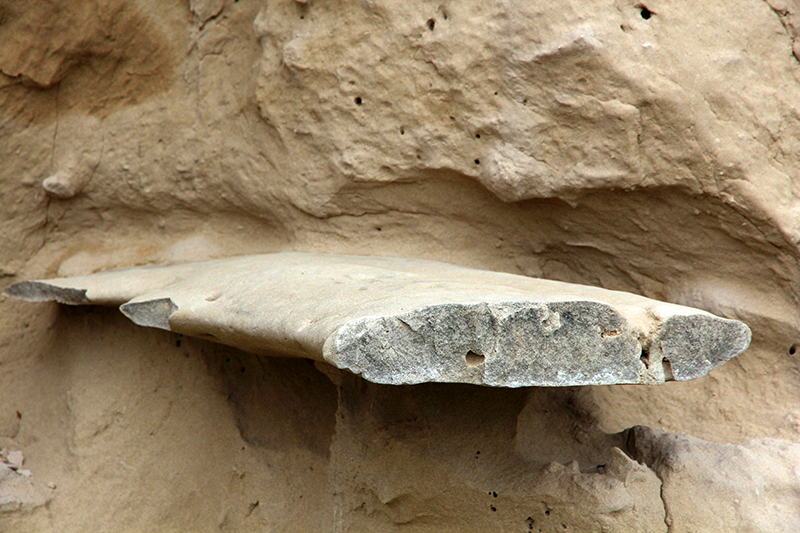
[
  {"x": 752, "y": 487},
  {"x": 648, "y": 147},
  {"x": 404, "y": 321}
]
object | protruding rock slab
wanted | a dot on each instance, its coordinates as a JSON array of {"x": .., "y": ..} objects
[{"x": 405, "y": 321}]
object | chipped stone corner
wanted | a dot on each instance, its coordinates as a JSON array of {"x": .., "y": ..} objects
[
  {"x": 150, "y": 313},
  {"x": 37, "y": 291}
]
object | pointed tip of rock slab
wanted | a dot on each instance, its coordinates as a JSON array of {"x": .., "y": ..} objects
[
  {"x": 38, "y": 291},
  {"x": 150, "y": 313},
  {"x": 690, "y": 346}
]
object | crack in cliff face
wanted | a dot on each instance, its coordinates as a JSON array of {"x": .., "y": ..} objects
[
  {"x": 641, "y": 452},
  {"x": 782, "y": 14},
  {"x": 211, "y": 18},
  {"x": 47, "y": 198},
  {"x": 667, "y": 517},
  {"x": 55, "y": 129},
  {"x": 93, "y": 168},
  {"x": 785, "y": 17}
]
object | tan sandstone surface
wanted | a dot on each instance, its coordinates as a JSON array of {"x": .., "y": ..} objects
[{"x": 646, "y": 147}]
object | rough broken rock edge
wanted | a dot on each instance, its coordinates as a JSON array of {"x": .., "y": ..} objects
[{"x": 401, "y": 321}]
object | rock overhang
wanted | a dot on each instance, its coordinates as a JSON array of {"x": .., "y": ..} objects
[{"x": 407, "y": 321}]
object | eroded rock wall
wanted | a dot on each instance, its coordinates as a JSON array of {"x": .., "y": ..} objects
[{"x": 651, "y": 148}]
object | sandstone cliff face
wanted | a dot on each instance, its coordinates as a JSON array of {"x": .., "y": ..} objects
[{"x": 651, "y": 148}]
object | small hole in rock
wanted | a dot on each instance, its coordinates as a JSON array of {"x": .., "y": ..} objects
[
  {"x": 793, "y": 349},
  {"x": 402, "y": 131},
  {"x": 547, "y": 512},
  {"x": 431, "y": 24},
  {"x": 493, "y": 508},
  {"x": 645, "y": 358},
  {"x": 477, "y": 161},
  {"x": 358, "y": 100},
  {"x": 646, "y": 13},
  {"x": 667, "y": 366},
  {"x": 474, "y": 359},
  {"x": 477, "y": 135}
]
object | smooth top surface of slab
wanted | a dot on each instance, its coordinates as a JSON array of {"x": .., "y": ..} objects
[{"x": 400, "y": 321}]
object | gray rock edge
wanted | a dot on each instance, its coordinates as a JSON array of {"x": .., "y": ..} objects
[{"x": 505, "y": 343}]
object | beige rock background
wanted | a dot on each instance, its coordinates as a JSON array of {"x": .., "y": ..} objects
[{"x": 651, "y": 148}]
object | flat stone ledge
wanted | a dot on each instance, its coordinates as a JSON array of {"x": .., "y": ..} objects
[{"x": 404, "y": 321}]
